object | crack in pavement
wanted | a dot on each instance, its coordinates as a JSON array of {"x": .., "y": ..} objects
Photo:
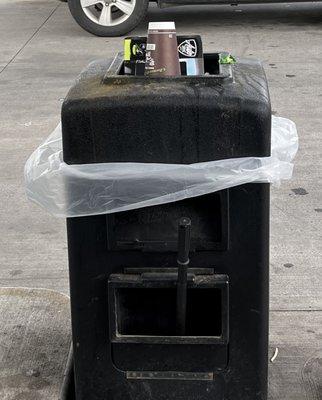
[{"x": 31, "y": 37}]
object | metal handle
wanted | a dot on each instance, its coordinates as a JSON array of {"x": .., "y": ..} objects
[{"x": 184, "y": 231}]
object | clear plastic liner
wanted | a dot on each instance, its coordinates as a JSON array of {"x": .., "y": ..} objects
[{"x": 91, "y": 189}]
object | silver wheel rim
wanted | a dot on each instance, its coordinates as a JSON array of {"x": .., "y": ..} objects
[{"x": 108, "y": 12}]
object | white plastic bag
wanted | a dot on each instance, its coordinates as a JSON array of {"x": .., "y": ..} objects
[{"x": 90, "y": 189}]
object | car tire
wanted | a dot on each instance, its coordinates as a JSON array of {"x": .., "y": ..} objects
[{"x": 114, "y": 22}]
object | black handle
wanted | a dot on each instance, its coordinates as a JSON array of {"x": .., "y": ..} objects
[{"x": 184, "y": 231}]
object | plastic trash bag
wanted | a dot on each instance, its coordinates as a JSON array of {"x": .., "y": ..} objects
[{"x": 91, "y": 189}]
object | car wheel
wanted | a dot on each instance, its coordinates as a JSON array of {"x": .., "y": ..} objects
[{"x": 108, "y": 17}]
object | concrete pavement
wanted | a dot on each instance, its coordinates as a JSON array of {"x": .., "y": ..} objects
[{"x": 42, "y": 50}]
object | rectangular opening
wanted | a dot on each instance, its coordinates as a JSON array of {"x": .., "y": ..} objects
[
  {"x": 211, "y": 63},
  {"x": 212, "y": 68},
  {"x": 156, "y": 228},
  {"x": 152, "y": 312}
]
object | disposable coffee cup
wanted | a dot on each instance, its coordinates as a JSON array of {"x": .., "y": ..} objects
[{"x": 162, "y": 57}]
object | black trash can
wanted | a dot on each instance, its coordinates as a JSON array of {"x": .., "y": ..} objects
[{"x": 123, "y": 266}]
